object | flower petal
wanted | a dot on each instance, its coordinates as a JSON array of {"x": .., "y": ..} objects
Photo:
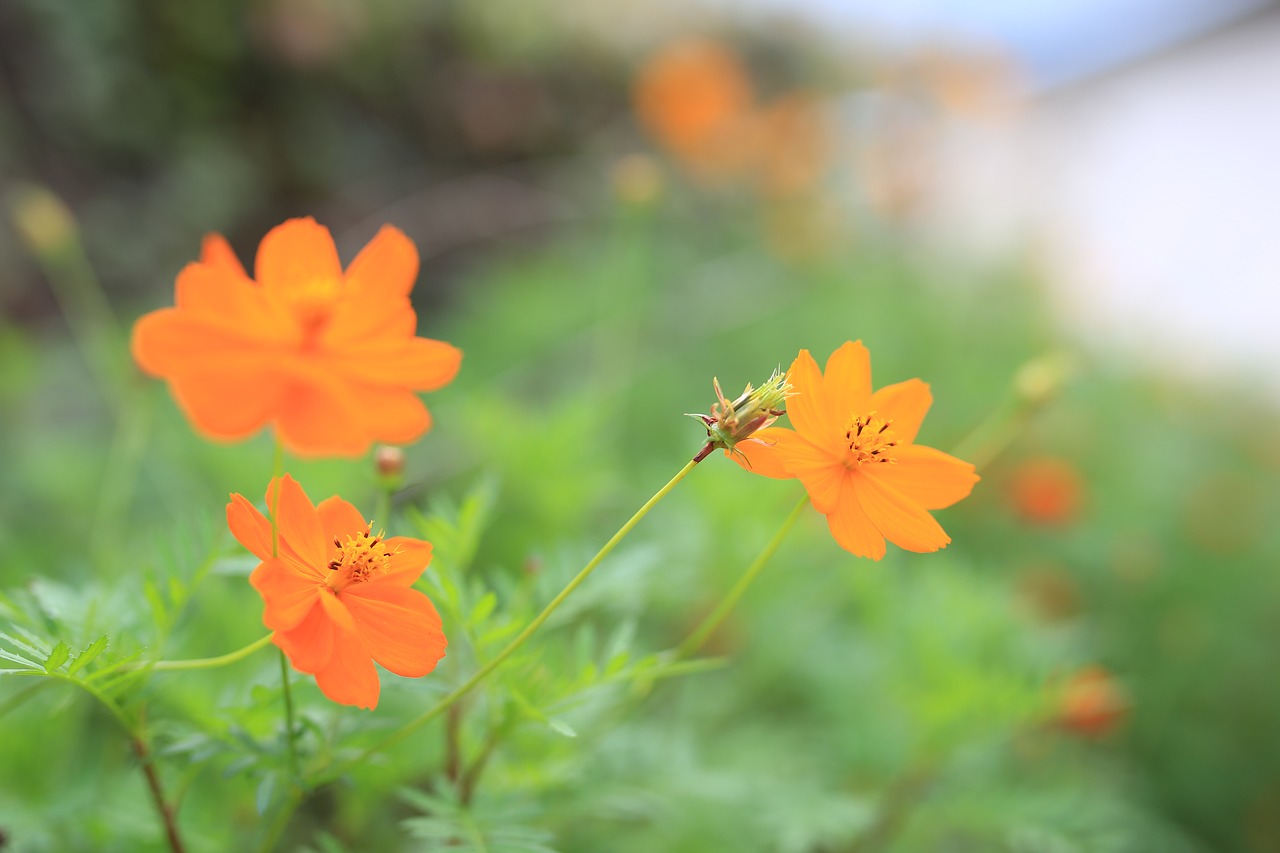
[
  {"x": 850, "y": 526},
  {"x": 409, "y": 559},
  {"x": 296, "y": 255},
  {"x": 227, "y": 400},
  {"x": 807, "y": 407},
  {"x": 393, "y": 415},
  {"x": 309, "y": 646},
  {"x": 298, "y": 522},
  {"x": 386, "y": 267},
  {"x": 216, "y": 252},
  {"x": 353, "y": 321},
  {"x": 340, "y": 519},
  {"x": 399, "y": 626},
  {"x": 288, "y": 592},
  {"x": 902, "y": 521},
  {"x": 847, "y": 381},
  {"x": 230, "y": 302},
  {"x": 251, "y": 528},
  {"x": 904, "y": 403},
  {"x": 926, "y": 476},
  {"x": 762, "y": 453},
  {"x": 170, "y": 338},
  {"x": 422, "y": 364},
  {"x": 350, "y": 677},
  {"x": 319, "y": 416}
]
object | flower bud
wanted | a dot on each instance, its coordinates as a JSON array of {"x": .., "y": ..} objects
[
  {"x": 1040, "y": 379},
  {"x": 390, "y": 463},
  {"x": 755, "y": 409}
]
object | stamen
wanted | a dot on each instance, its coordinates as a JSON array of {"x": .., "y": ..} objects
[{"x": 870, "y": 439}]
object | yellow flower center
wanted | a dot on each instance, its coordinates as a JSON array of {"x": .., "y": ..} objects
[
  {"x": 870, "y": 439},
  {"x": 361, "y": 558},
  {"x": 312, "y": 303}
]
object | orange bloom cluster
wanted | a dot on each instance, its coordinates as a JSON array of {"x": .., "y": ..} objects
[
  {"x": 327, "y": 356},
  {"x": 337, "y": 596},
  {"x": 855, "y": 453}
]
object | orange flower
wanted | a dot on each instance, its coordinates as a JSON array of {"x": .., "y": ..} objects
[
  {"x": 694, "y": 96},
  {"x": 855, "y": 453},
  {"x": 337, "y": 597},
  {"x": 329, "y": 358},
  {"x": 1046, "y": 490},
  {"x": 1092, "y": 703}
]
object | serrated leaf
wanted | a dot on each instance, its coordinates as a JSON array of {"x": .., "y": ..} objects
[
  {"x": 86, "y": 657},
  {"x": 57, "y": 657},
  {"x": 36, "y": 654},
  {"x": 26, "y": 664}
]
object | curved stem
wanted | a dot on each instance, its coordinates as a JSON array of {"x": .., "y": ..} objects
[
  {"x": 210, "y": 663},
  {"x": 480, "y": 674},
  {"x": 163, "y": 806},
  {"x": 708, "y": 626}
]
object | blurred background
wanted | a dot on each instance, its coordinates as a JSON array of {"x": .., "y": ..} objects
[{"x": 1055, "y": 213}]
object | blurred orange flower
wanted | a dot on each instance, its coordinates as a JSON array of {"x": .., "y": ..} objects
[
  {"x": 337, "y": 597},
  {"x": 326, "y": 356},
  {"x": 1092, "y": 703},
  {"x": 855, "y": 453},
  {"x": 1046, "y": 490},
  {"x": 693, "y": 97}
]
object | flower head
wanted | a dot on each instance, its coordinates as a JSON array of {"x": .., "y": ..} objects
[
  {"x": 855, "y": 453},
  {"x": 754, "y": 410},
  {"x": 1092, "y": 703},
  {"x": 327, "y": 356},
  {"x": 339, "y": 597}
]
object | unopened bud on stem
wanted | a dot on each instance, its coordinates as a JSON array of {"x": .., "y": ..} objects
[{"x": 755, "y": 409}]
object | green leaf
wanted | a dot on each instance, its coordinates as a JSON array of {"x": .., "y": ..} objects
[
  {"x": 85, "y": 657},
  {"x": 57, "y": 657},
  {"x": 35, "y": 653},
  {"x": 262, "y": 798}
]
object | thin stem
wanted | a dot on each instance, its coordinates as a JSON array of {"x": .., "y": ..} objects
[
  {"x": 277, "y": 470},
  {"x": 700, "y": 634},
  {"x": 210, "y": 663},
  {"x": 157, "y": 795},
  {"x": 480, "y": 674},
  {"x": 281, "y": 821}
]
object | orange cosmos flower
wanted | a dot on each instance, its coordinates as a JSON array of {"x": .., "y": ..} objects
[
  {"x": 338, "y": 597},
  {"x": 328, "y": 357},
  {"x": 855, "y": 453}
]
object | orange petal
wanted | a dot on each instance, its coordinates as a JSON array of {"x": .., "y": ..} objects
[
  {"x": 232, "y": 303},
  {"x": 902, "y": 521},
  {"x": 226, "y": 400},
  {"x": 904, "y": 403},
  {"x": 386, "y": 267},
  {"x": 340, "y": 519},
  {"x": 820, "y": 471},
  {"x": 216, "y": 252},
  {"x": 851, "y": 528},
  {"x": 350, "y": 677},
  {"x": 310, "y": 644},
  {"x": 408, "y": 562},
  {"x": 353, "y": 320},
  {"x": 808, "y": 406},
  {"x": 251, "y": 528},
  {"x": 295, "y": 255},
  {"x": 392, "y": 415},
  {"x": 762, "y": 453},
  {"x": 847, "y": 381},
  {"x": 926, "y": 476},
  {"x": 298, "y": 522},
  {"x": 422, "y": 364},
  {"x": 288, "y": 591},
  {"x": 319, "y": 416},
  {"x": 169, "y": 338},
  {"x": 398, "y": 625}
]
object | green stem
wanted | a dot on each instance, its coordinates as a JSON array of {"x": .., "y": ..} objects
[
  {"x": 277, "y": 470},
  {"x": 480, "y": 674},
  {"x": 210, "y": 663},
  {"x": 700, "y": 634}
]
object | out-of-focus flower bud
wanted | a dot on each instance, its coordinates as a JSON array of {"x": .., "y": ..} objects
[
  {"x": 390, "y": 463},
  {"x": 1046, "y": 490},
  {"x": 42, "y": 219},
  {"x": 637, "y": 180},
  {"x": 1039, "y": 380},
  {"x": 1093, "y": 703},
  {"x": 755, "y": 409}
]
